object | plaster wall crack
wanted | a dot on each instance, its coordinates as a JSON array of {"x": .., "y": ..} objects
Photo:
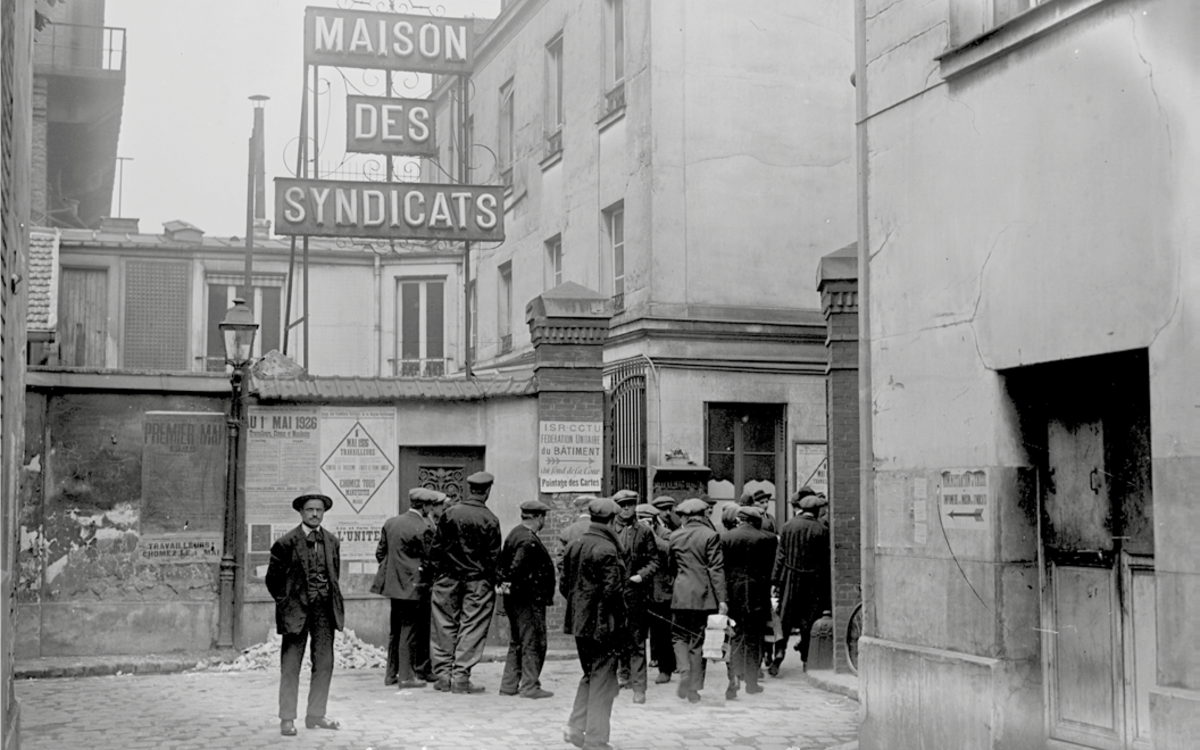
[{"x": 1153, "y": 89}]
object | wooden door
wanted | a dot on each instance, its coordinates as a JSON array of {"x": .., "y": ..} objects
[
  {"x": 444, "y": 469},
  {"x": 83, "y": 317}
]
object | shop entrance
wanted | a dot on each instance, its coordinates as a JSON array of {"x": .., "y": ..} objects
[{"x": 1096, "y": 547}]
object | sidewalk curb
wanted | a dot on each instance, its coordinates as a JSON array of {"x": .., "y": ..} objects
[
  {"x": 816, "y": 680},
  {"x": 54, "y": 667}
]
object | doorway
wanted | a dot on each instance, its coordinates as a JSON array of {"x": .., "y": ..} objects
[
  {"x": 444, "y": 469},
  {"x": 1087, "y": 425}
]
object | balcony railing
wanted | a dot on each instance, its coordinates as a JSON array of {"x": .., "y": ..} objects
[
  {"x": 506, "y": 343},
  {"x": 72, "y": 47},
  {"x": 618, "y": 301},
  {"x": 419, "y": 368},
  {"x": 615, "y": 99}
]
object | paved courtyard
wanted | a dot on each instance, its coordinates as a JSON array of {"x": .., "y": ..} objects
[{"x": 237, "y": 711}]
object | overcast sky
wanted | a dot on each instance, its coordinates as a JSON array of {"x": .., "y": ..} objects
[{"x": 190, "y": 69}]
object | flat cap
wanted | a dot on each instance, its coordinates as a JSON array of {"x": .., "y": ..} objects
[
  {"x": 534, "y": 506},
  {"x": 802, "y": 493},
  {"x": 480, "y": 479},
  {"x": 312, "y": 493},
  {"x": 693, "y": 506},
  {"x": 582, "y": 501},
  {"x": 812, "y": 502},
  {"x": 747, "y": 498},
  {"x": 665, "y": 502},
  {"x": 625, "y": 496},
  {"x": 423, "y": 496},
  {"x": 646, "y": 510},
  {"x": 708, "y": 500},
  {"x": 602, "y": 507},
  {"x": 749, "y": 511}
]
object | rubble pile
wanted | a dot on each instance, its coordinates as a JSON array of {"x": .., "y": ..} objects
[{"x": 349, "y": 652}]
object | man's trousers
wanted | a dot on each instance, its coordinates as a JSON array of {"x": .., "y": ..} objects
[
  {"x": 687, "y": 633},
  {"x": 661, "y": 649},
  {"x": 403, "y": 638},
  {"x": 319, "y": 626},
  {"x": 592, "y": 713},
  {"x": 462, "y": 614},
  {"x": 526, "y": 647}
]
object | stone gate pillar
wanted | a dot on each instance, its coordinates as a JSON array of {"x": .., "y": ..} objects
[
  {"x": 837, "y": 281},
  {"x": 568, "y": 326}
]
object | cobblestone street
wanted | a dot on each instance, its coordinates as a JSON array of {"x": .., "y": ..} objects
[{"x": 237, "y": 711}]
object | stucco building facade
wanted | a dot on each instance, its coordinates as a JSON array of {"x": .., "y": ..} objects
[
  {"x": 1026, "y": 177},
  {"x": 692, "y": 165}
]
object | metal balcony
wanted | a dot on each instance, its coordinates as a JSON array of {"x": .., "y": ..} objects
[{"x": 68, "y": 48}]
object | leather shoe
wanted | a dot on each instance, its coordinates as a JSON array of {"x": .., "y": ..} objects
[
  {"x": 731, "y": 693},
  {"x": 599, "y": 746},
  {"x": 663, "y": 678},
  {"x": 773, "y": 670},
  {"x": 442, "y": 686},
  {"x": 575, "y": 738},
  {"x": 287, "y": 728},
  {"x": 509, "y": 693},
  {"x": 693, "y": 696},
  {"x": 322, "y": 723},
  {"x": 755, "y": 688},
  {"x": 639, "y": 696},
  {"x": 681, "y": 691},
  {"x": 389, "y": 681},
  {"x": 539, "y": 693},
  {"x": 410, "y": 685},
  {"x": 466, "y": 688}
]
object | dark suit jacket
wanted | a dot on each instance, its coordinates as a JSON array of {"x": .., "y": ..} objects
[
  {"x": 593, "y": 584},
  {"x": 287, "y": 580},
  {"x": 526, "y": 565},
  {"x": 749, "y": 554},
  {"x": 697, "y": 565},
  {"x": 402, "y": 549},
  {"x": 466, "y": 543}
]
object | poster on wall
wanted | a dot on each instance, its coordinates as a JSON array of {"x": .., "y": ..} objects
[
  {"x": 963, "y": 499},
  {"x": 183, "y": 487},
  {"x": 349, "y": 452},
  {"x": 812, "y": 467},
  {"x": 570, "y": 456}
]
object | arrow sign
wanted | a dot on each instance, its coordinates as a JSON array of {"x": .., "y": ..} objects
[{"x": 976, "y": 514}]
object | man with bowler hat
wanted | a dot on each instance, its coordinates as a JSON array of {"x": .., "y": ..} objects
[
  {"x": 302, "y": 577},
  {"x": 698, "y": 567},
  {"x": 593, "y": 584},
  {"x": 640, "y": 554},
  {"x": 528, "y": 586},
  {"x": 465, "y": 555},
  {"x": 402, "y": 550}
]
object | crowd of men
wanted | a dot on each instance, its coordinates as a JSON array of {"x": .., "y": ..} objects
[{"x": 640, "y": 581}]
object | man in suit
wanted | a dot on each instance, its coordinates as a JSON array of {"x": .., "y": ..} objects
[
  {"x": 593, "y": 584},
  {"x": 698, "y": 567},
  {"x": 573, "y": 530},
  {"x": 801, "y": 573},
  {"x": 401, "y": 553},
  {"x": 303, "y": 579},
  {"x": 749, "y": 553},
  {"x": 640, "y": 555},
  {"x": 528, "y": 586},
  {"x": 466, "y": 556}
]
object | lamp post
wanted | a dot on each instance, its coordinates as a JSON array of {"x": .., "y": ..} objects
[{"x": 238, "y": 329}]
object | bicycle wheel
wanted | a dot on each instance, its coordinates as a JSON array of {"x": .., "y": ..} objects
[{"x": 853, "y": 631}]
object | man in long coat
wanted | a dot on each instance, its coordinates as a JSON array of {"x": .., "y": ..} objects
[
  {"x": 749, "y": 554},
  {"x": 465, "y": 555},
  {"x": 401, "y": 553},
  {"x": 698, "y": 569},
  {"x": 527, "y": 575},
  {"x": 640, "y": 554},
  {"x": 662, "y": 651},
  {"x": 302, "y": 577},
  {"x": 801, "y": 573},
  {"x": 593, "y": 584}
]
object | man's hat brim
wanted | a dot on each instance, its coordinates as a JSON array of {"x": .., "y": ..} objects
[{"x": 299, "y": 502}]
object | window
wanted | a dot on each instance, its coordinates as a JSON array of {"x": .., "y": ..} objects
[
  {"x": 984, "y": 30},
  {"x": 614, "y": 227},
  {"x": 507, "y": 124},
  {"x": 504, "y": 308},
  {"x": 614, "y": 38},
  {"x": 554, "y": 85},
  {"x": 554, "y": 262},
  {"x": 744, "y": 446},
  {"x": 265, "y": 301},
  {"x": 420, "y": 328}
]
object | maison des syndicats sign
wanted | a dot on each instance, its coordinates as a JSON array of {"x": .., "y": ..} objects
[
  {"x": 389, "y": 210},
  {"x": 388, "y": 41},
  {"x": 390, "y": 125}
]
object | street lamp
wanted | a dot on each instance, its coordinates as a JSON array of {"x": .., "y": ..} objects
[{"x": 238, "y": 328}]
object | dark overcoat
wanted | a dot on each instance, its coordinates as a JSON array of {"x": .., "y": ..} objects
[
  {"x": 801, "y": 571},
  {"x": 287, "y": 580},
  {"x": 749, "y": 556},
  {"x": 466, "y": 543},
  {"x": 526, "y": 565},
  {"x": 402, "y": 550},
  {"x": 697, "y": 566},
  {"x": 593, "y": 583}
]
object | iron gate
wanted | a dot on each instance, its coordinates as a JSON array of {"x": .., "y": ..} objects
[{"x": 625, "y": 433}]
